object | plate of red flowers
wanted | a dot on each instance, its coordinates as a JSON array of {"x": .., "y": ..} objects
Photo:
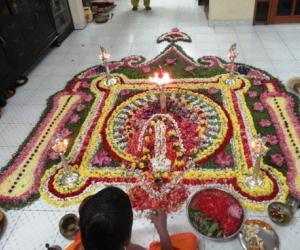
[{"x": 215, "y": 214}]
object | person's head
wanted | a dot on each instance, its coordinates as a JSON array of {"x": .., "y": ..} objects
[{"x": 106, "y": 220}]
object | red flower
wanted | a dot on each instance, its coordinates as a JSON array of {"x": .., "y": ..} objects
[
  {"x": 223, "y": 159},
  {"x": 80, "y": 107},
  {"x": 85, "y": 84},
  {"x": 258, "y": 106},
  {"x": 257, "y": 82},
  {"x": 146, "y": 69},
  {"x": 277, "y": 159},
  {"x": 53, "y": 156},
  {"x": 265, "y": 123},
  {"x": 220, "y": 207},
  {"x": 252, "y": 94},
  {"x": 189, "y": 68},
  {"x": 87, "y": 97},
  {"x": 65, "y": 132},
  {"x": 271, "y": 139},
  {"x": 212, "y": 91},
  {"x": 74, "y": 118},
  {"x": 124, "y": 92},
  {"x": 170, "y": 61},
  {"x": 101, "y": 158}
]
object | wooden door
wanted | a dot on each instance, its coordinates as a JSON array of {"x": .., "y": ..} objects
[{"x": 285, "y": 11}]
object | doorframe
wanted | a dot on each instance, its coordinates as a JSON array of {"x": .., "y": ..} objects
[{"x": 282, "y": 19}]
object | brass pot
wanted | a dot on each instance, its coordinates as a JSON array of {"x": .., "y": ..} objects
[
  {"x": 280, "y": 213},
  {"x": 69, "y": 226},
  {"x": 2, "y": 222}
]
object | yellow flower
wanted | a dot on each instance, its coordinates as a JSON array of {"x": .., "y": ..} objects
[
  {"x": 147, "y": 139},
  {"x": 152, "y": 123},
  {"x": 145, "y": 157},
  {"x": 172, "y": 132},
  {"x": 145, "y": 150},
  {"x": 179, "y": 154},
  {"x": 142, "y": 165}
]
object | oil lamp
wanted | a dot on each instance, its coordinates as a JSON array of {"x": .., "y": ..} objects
[
  {"x": 232, "y": 55},
  {"x": 104, "y": 58},
  {"x": 259, "y": 149},
  {"x": 60, "y": 146},
  {"x": 161, "y": 78}
]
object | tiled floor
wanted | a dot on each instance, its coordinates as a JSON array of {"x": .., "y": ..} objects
[{"x": 275, "y": 49}]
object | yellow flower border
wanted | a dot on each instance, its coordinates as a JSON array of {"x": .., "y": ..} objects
[{"x": 142, "y": 84}]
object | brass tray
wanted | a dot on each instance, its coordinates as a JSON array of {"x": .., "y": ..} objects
[{"x": 258, "y": 235}]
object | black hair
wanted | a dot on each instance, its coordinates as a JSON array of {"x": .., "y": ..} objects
[{"x": 106, "y": 220}]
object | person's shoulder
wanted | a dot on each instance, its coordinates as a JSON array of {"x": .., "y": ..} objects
[{"x": 135, "y": 247}]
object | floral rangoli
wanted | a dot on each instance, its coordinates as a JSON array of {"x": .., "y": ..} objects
[{"x": 207, "y": 132}]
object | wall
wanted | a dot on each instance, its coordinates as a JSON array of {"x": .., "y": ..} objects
[
  {"x": 76, "y": 8},
  {"x": 231, "y": 10}
]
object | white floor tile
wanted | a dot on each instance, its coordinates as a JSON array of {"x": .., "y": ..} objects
[
  {"x": 33, "y": 230},
  {"x": 12, "y": 217}
]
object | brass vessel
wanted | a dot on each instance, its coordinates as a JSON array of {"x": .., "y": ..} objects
[{"x": 69, "y": 226}]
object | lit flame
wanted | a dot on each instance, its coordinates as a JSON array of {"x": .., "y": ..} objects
[
  {"x": 60, "y": 145},
  {"x": 258, "y": 146},
  {"x": 104, "y": 56},
  {"x": 160, "y": 78}
]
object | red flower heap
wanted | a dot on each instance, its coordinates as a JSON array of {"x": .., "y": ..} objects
[{"x": 220, "y": 207}]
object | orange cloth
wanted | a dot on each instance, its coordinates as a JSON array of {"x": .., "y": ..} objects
[
  {"x": 76, "y": 244},
  {"x": 180, "y": 241}
]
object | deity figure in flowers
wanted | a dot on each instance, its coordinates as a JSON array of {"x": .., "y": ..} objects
[
  {"x": 162, "y": 157},
  {"x": 135, "y": 4}
]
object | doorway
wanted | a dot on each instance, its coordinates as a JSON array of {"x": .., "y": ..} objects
[
  {"x": 277, "y": 11},
  {"x": 285, "y": 11}
]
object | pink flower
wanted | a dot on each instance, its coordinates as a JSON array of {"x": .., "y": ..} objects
[
  {"x": 65, "y": 132},
  {"x": 146, "y": 69},
  {"x": 101, "y": 159},
  {"x": 252, "y": 94},
  {"x": 53, "y": 156},
  {"x": 80, "y": 107},
  {"x": 271, "y": 139},
  {"x": 277, "y": 159},
  {"x": 257, "y": 82},
  {"x": 235, "y": 211},
  {"x": 87, "y": 97},
  {"x": 223, "y": 159},
  {"x": 124, "y": 92},
  {"x": 189, "y": 68},
  {"x": 175, "y": 29},
  {"x": 258, "y": 106},
  {"x": 74, "y": 118},
  {"x": 85, "y": 84},
  {"x": 265, "y": 123},
  {"x": 170, "y": 61},
  {"x": 213, "y": 91}
]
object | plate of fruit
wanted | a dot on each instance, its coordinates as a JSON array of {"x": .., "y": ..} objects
[{"x": 215, "y": 214}]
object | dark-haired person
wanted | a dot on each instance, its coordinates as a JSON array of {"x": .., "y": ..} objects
[{"x": 106, "y": 222}]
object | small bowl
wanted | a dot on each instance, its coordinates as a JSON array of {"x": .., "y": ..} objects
[
  {"x": 69, "y": 226},
  {"x": 223, "y": 238},
  {"x": 280, "y": 213}
]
